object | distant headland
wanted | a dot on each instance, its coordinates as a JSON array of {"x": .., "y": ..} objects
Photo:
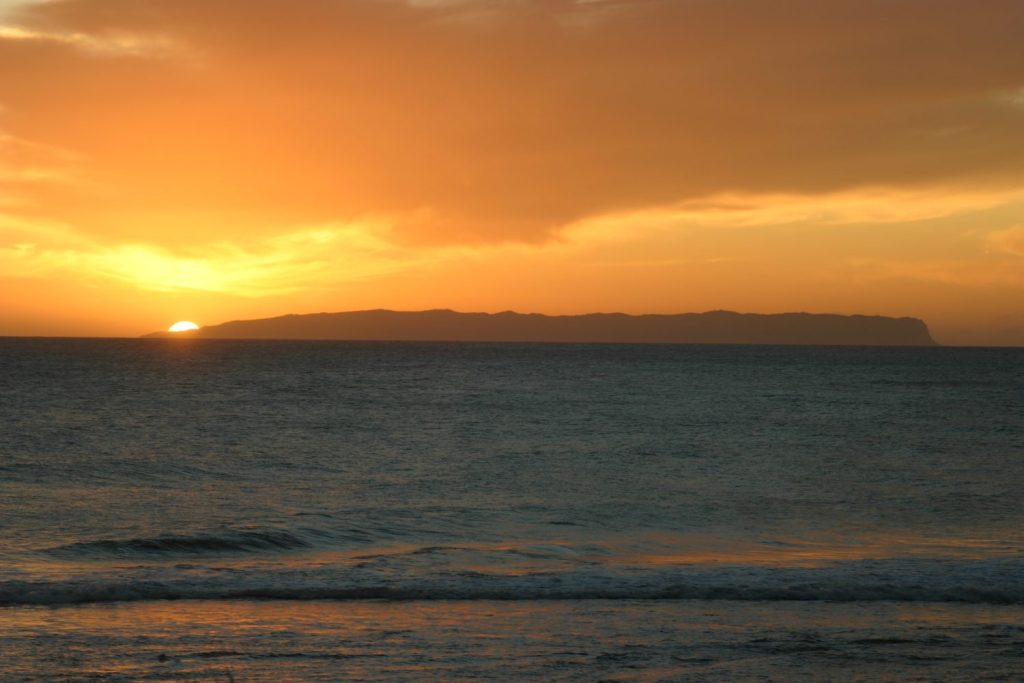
[{"x": 714, "y": 327}]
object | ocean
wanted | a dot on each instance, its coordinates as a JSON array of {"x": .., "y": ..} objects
[{"x": 256, "y": 510}]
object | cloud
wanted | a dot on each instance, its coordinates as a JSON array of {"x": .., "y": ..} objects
[
  {"x": 481, "y": 121},
  {"x": 958, "y": 273},
  {"x": 333, "y": 254},
  {"x": 1007, "y": 241},
  {"x": 869, "y": 206},
  {"x": 303, "y": 259}
]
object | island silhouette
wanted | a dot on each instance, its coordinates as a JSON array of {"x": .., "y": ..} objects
[{"x": 714, "y": 327}]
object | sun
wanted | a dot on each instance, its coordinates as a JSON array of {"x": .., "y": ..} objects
[{"x": 183, "y": 326}]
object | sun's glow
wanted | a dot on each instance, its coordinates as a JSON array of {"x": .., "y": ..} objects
[{"x": 183, "y": 326}]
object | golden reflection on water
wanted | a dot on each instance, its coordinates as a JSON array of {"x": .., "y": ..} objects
[
  {"x": 810, "y": 551},
  {"x": 470, "y": 640},
  {"x": 525, "y": 557}
]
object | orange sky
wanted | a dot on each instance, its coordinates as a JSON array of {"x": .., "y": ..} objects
[{"x": 219, "y": 159}]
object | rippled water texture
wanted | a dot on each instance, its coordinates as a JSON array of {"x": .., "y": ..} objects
[{"x": 628, "y": 484}]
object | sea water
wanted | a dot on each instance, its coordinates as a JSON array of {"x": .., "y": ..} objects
[{"x": 199, "y": 509}]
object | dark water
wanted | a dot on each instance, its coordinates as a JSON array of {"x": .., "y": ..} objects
[{"x": 638, "y": 482}]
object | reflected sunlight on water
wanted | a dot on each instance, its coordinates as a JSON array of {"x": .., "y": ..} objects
[{"x": 657, "y": 477}]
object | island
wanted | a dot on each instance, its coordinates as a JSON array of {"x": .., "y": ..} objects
[{"x": 714, "y": 327}]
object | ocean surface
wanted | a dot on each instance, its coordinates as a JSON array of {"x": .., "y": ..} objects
[{"x": 244, "y": 510}]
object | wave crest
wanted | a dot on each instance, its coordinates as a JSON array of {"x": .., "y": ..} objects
[{"x": 231, "y": 541}]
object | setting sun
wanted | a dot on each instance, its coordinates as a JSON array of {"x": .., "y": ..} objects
[{"x": 183, "y": 326}]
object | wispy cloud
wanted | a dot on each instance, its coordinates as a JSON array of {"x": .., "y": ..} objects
[
  {"x": 1008, "y": 241},
  {"x": 867, "y": 206},
  {"x": 304, "y": 259},
  {"x": 112, "y": 43},
  {"x": 959, "y": 273}
]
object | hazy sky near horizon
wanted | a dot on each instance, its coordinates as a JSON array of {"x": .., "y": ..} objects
[{"x": 217, "y": 159}]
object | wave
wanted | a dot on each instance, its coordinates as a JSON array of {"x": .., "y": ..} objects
[
  {"x": 979, "y": 582},
  {"x": 230, "y": 541}
]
